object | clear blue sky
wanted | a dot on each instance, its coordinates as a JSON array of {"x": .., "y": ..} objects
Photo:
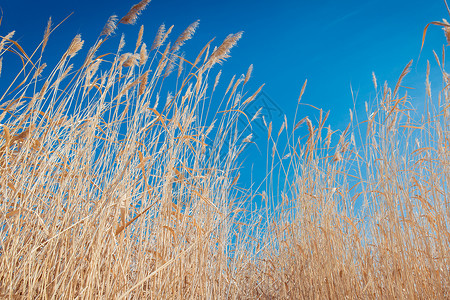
[{"x": 334, "y": 44}]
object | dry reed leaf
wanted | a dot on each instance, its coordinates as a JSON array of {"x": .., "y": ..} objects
[
  {"x": 206, "y": 200},
  {"x": 349, "y": 221},
  {"x": 110, "y": 26},
  {"x": 235, "y": 180},
  {"x": 134, "y": 12},
  {"x": 425, "y": 32},
  {"x": 1, "y": 64},
  {"x": 412, "y": 127}
]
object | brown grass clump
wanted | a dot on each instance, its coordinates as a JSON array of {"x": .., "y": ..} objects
[{"x": 113, "y": 185}]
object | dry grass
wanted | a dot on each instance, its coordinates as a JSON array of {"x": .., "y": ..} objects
[{"x": 111, "y": 189}]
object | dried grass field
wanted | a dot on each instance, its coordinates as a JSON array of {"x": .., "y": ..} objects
[{"x": 109, "y": 189}]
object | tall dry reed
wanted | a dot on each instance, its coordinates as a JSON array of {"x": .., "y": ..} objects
[{"x": 115, "y": 186}]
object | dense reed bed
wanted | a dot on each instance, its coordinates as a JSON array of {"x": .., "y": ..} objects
[{"x": 114, "y": 184}]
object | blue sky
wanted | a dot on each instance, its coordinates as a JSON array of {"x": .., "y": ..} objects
[{"x": 333, "y": 44}]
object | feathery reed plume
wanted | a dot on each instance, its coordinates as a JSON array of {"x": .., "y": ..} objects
[
  {"x": 143, "y": 56},
  {"x": 158, "y": 41},
  {"x": 222, "y": 53},
  {"x": 230, "y": 84},
  {"x": 163, "y": 61},
  {"x": 302, "y": 91},
  {"x": 75, "y": 46},
  {"x": 46, "y": 34},
  {"x": 5, "y": 39},
  {"x": 281, "y": 129},
  {"x": 39, "y": 70},
  {"x": 328, "y": 137},
  {"x": 186, "y": 35},
  {"x": 43, "y": 90},
  {"x": 64, "y": 74},
  {"x": 166, "y": 35},
  {"x": 135, "y": 11},
  {"x": 256, "y": 115},
  {"x": 446, "y": 29},
  {"x": 143, "y": 83},
  {"x": 110, "y": 26},
  {"x": 249, "y": 73},
  {"x": 269, "y": 131},
  {"x": 171, "y": 65},
  {"x": 310, "y": 126},
  {"x": 205, "y": 48},
  {"x": 121, "y": 43},
  {"x": 374, "y": 80},
  {"x": 132, "y": 60},
  {"x": 402, "y": 75},
  {"x": 124, "y": 57},
  {"x": 216, "y": 81},
  {"x": 139, "y": 39},
  {"x": 252, "y": 97},
  {"x": 180, "y": 66}
]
